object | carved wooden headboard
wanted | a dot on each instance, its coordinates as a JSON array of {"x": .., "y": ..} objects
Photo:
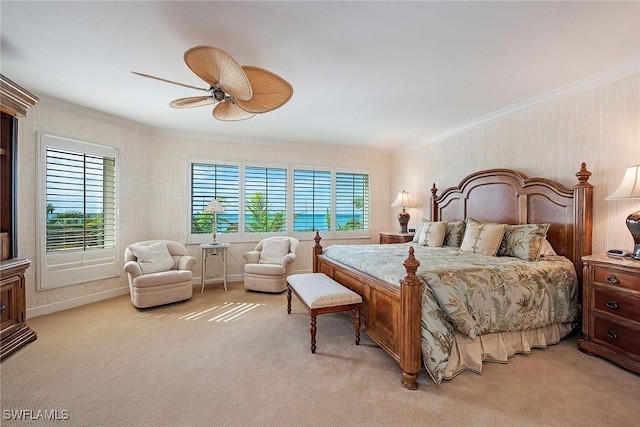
[{"x": 509, "y": 197}]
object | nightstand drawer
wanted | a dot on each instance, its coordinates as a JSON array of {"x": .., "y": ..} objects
[
  {"x": 617, "y": 278},
  {"x": 623, "y": 337},
  {"x": 623, "y": 305}
]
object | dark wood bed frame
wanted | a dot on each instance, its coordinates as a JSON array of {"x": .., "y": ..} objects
[{"x": 392, "y": 313}]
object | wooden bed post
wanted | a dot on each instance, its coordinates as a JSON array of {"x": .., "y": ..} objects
[
  {"x": 410, "y": 321},
  {"x": 583, "y": 219},
  {"x": 434, "y": 204},
  {"x": 317, "y": 250}
]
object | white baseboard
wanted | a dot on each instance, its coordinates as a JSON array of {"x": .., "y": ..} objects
[
  {"x": 75, "y": 302},
  {"x": 88, "y": 299}
]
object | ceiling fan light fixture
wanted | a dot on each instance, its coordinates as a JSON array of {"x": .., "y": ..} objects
[{"x": 218, "y": 94}]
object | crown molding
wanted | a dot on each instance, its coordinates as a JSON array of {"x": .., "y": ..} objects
[
  {"x": 588, "y": 83},
  {"x": 14, "y": 99}
]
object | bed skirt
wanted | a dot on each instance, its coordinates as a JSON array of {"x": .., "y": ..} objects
[{"x": 468, "y": 354}]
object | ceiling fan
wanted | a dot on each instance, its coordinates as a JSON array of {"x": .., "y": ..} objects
[{"x": 239, "y": 92}]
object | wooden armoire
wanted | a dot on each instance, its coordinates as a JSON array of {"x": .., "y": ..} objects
[{"x": 14, "y": 332}]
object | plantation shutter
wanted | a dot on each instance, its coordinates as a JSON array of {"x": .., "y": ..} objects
[
  {"x": 80, "y": 197},
  {"x": 311, "y": 200},
  {"x": 218, "y": 181},
  {"x": 265, "y": 204},
  {"x": 352, "y": 201}
]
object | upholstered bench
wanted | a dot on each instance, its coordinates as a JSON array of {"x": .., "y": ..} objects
[{"x": 320, "y": 294}]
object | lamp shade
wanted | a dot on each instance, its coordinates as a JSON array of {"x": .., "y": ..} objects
[
  {"x": 403, "y": 200},
  {"x": 214, "y": 206},
  {"x": 629, "y": 188}
]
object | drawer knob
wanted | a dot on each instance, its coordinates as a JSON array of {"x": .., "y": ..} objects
[
  {"x": 613, "y": 279},
  {"x": 612, "y": 304},
  {"x": 612, "y": 334}
]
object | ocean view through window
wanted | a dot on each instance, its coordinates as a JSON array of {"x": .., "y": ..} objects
[{"x": 277, "y": 199}]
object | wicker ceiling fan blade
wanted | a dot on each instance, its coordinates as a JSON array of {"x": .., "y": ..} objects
[
  {"x": 169, "y": 81},
  {"x": 230, "y": 112},
  {"x": 217, "y": 67},
  {"x": 194, "y": 101},
  {"x": 270, "y": 91}
]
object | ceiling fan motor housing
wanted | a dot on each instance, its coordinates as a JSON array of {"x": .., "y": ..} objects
[{"x": 218, "y": 94}]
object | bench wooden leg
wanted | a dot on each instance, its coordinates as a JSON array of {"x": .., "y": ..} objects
[
  {"x": 357, "y": 327},
  {"x": 288, "y": 299},
  {"x": 313, "y": 334}
]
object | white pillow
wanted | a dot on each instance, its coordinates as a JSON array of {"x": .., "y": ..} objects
[
  {"x": 432, "y": 233},
  {"x": 416, "y": 237},
  {"x": 274, "y": 250},
  {"x": 482, "y": 237},
  {"x": 153, "y": 258}
]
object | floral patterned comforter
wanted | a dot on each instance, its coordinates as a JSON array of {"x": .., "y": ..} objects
[{"x": 471, "y": 293}]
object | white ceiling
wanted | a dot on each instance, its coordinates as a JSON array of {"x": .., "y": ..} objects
[{"x": 377, "y": 75}]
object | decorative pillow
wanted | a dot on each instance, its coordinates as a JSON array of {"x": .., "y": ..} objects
[
  {"x": 523, "y": 241},
  {"x": 454, "y": 234},
  {"x": 547, "y": 249},
  {"x": 274, "y": 250},
  {"x": 153, "y": 258},
  {"x": 432, "y": 233},
  {"x": 416, "y": 237},
  {"x": 482, "y": 237}
]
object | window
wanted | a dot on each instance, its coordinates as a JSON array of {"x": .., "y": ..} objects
[
  {"x": 78, "y": 224},
  {"x": 311, "y": 200},
  {"x": 265, "y": 199},
  {"x": 352, "y": 201},
  {"x": 218, "y": 181},
  {"x": 260, "y": 200}
]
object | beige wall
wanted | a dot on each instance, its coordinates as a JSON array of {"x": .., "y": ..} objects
[
  {"x": 600, "y": 126},
  {"x": 154, "y": 188}
]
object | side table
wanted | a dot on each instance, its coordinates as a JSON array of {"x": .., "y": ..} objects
[{"x": 214, "y": 249}]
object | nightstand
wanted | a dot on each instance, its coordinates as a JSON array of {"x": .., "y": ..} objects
[
  {"x": 391, "y": 237},
  {"x": 611, "y": 310}
]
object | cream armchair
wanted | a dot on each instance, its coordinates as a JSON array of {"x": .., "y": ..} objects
[
  {"x": 269, "y": 264},
  {"x": 159, "y": 272}
]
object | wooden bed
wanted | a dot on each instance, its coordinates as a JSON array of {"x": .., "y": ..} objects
[{"x": 392, "y": 313}]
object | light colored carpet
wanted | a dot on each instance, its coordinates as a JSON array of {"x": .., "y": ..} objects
[{"x": 237, "y": 359}]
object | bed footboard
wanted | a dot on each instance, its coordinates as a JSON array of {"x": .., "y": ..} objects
[{"x": 390, "y": 315}]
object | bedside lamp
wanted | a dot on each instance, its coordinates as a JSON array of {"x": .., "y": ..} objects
[
  {"x": 215, "y": 207},
  {"x": 629, "y": 188},
  {"x": 404, "y": 200}
]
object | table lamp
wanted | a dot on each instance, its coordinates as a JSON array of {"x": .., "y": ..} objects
[
  {"x": 629, "y": 188},
  {"x": 404, "y": 200},
  {"x": 215, "y": 207}
]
